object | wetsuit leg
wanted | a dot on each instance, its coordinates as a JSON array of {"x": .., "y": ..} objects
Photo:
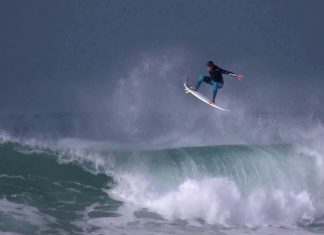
[
  {"x": 216, "y": 86},
  {"x": 201, "y": 79}
]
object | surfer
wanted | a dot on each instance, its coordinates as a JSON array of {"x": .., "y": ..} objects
[{"x": 215, "y": 79}]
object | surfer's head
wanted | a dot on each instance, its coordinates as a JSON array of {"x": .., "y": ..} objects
[{"x": 210, "y": 64}]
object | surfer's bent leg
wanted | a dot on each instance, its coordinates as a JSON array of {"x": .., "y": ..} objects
[
  {"x": 216, "y": 86},
  {"x": 201, "y": 79}
]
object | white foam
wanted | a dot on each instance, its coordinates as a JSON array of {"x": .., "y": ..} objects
[
  {"x": 218, "y": 200},
  {"x": 5, "y": 137},
  {"x": 213, "y": 199},
  {"x": 24, "y": 213}
]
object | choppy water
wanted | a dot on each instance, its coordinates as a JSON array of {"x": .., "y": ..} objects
[{"x": 273, "y": 189}]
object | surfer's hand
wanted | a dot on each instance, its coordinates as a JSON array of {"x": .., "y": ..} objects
[{"x": 239, "y": 77}]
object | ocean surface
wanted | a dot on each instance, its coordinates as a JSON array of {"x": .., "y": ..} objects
[{"x": 218, "y": 189}]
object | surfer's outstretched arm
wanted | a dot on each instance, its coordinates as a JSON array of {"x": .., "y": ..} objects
[
  {"x": 237, "y": 76},
  {"x": 223, "y": 71}
]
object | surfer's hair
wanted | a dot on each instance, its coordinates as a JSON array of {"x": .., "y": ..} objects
[{"x": 210, "y": 63}]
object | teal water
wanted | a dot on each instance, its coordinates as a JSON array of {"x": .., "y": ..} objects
[{"x": 274, "y": 189}]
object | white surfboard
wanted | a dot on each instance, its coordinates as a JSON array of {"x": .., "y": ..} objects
[{"x": 202, "y": 97}]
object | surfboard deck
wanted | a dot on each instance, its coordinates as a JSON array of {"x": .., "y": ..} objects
[{"x": 202, "y": 97}]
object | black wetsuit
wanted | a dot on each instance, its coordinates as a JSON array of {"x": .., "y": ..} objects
[{"x": 216, "y": 74}]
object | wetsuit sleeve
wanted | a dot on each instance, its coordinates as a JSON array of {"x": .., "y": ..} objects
[{"x": 223, "y": 71}]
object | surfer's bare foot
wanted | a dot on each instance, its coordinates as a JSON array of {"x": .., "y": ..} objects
[
  {"x": 211, "y": 101},
  {"x": 193, "y": 88}
]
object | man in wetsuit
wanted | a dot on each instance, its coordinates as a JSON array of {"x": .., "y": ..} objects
[{"x": 215, "y": 79}]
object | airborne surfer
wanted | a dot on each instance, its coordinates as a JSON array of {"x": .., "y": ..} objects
[{"x": 215, "y": 79}]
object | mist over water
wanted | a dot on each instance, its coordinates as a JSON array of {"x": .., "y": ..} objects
[{"x": 145, "y": 106}]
